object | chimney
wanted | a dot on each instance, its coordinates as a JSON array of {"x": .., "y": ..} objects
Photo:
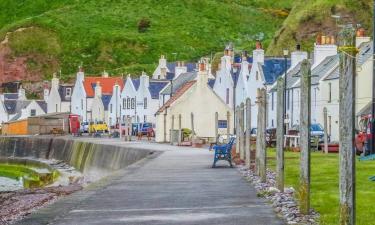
[
  {"x": 180, "y": 68},
  {"x": 21, "y": 93},
  {"x": 202, "y": 77},
  {"x": 298, "y": 56},
  {"x": 144, "y": 80},
  {"x": 80, "y": 74},
  {"x": 105, "y": 74},
  {"x": 98, "y": 90},
  {"x": 45, "y": 91},
  {"x": 258, "y": 53},
  {"x": 324, "y": 47},
  {"x": 361, "y": 37}
]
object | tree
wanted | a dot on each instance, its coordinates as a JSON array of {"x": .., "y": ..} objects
[{"x": 143, "y": 24}]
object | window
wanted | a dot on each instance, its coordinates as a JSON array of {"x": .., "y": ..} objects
[
  {"x": 56, "y": 108},
  {"x": 110, "y": 108},
  {"x": 272, "y": 102},
  {"x": 128, "y": 103},
  {"x": 145, "y": 103},
  {"x": 82, "y": 104},
  {"x": 33, "y": 112},
  {"x": 272, "y": 123},
  {"x": 68, "y": 92},
  {"x": 227, "y": 96},
  {"x": 123, "y": 103},
  {"x": 133, "y": 103},
  {"x": 257, "y": 76},
  {"x": 144, "y": 118},
  {"x": 222, "y": 124},
  {"x": 329, "y": 92}
]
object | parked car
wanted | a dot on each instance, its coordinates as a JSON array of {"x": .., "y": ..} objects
[
  {"x": 145, "y": 127},
  {"x": 316, "y": 131}
]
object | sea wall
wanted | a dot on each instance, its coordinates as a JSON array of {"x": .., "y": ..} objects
[{"x": 92, "y": 159}]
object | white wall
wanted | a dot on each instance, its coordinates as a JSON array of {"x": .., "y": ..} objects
[
  {"x": 78, "y": 100},
  {"x": 224, "y": 81}
]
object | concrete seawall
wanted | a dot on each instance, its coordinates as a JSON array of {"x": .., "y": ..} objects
[{"x": 94, "y": 160}]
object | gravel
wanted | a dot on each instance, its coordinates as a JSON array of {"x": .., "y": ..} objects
[{"x": 284, "y": 204}]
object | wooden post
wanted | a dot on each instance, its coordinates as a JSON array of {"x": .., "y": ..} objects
[
  {"x": 237, "y": 130},
  {"x": 346, "y": 118},
  {"x": 228, "y": 125},
  {"x": 248, "y": 130},
  {"x": 164, "y": 128},
  {"x": 216, "y": 127},
  {"x": 242, "y": 130},
  {"x": 305, "y": 123},
  {"x": 171, "y": 130},
  {"x": 261, "y": 136},
  {"x": 280, "y": 135},
  {"x": 325, "y": 115},
  {"x": 179, "y": 129}
]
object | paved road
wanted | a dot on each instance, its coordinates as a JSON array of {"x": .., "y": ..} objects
[{"x": 174, "y": 187}]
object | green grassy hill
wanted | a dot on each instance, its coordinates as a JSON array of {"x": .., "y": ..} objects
[{"x": 102, "y": 35}]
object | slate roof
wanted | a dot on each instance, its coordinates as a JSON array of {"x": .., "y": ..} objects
[
  {"x": 365, "y": 110},
  {"x": 334, "y": 74},
  {"x": 365, "y": 52},
  {"x": 136, "y": 83},
  {"x": 106, "y": 99},
  {"x": 273, "y": 68},
  {"x": 211, "y": 83},
  {"x": 177, "y": 95},
  {"x": 190, "y": 67},
  {"x": 10, "y": 96},
  {"x": 62, "y": 92},
  {"x": 178, "y": 82},
  {"x": 106, "y": 83},
  {"x": 42, "y": 105},
  {"x": 323, "y": 68},
  {"x": 15, "y": 106},
  {"x": 155, "y": 87}
]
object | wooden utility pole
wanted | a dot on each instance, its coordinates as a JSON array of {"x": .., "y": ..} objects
[
  {"x": 348, "y": 53},
  {"x": 280, "y": 135},
  {"x": 325, "y": 115},
  {"x": 248, "y": 135},
  {"x": 261, "y": 136},
  {"x": 237, "y": 130},
  {"x": 216, "y": 127},
  {"x": 242, "y": 132},
  {"x": 305, "y": 124}
]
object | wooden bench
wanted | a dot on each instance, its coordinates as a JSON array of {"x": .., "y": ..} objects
[{"x": 223, "y": 152}]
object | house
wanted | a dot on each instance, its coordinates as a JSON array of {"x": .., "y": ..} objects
[
  {"x": 58, "y": 98},
  {"x": 161, "y": 70},
  {"x": 15, "y": 106},
  {"x": 114, "y": 106},
  {"x": 196, "y": 103},
  {"x": 83, "y": 95},
  {"x": 128, "y": 99},
  {"x": 224, "y": 83},
  {"x": 147, "y": 98}
]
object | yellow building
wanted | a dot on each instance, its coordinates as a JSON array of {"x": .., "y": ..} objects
[{"x": 196, "y": 104}]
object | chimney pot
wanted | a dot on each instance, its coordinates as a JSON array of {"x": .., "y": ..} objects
[
  {"x": 319, "y": 39},
  {"x": 298, "y": 47}
]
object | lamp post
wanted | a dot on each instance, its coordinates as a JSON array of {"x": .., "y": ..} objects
[{"x": 285, "y": 53}]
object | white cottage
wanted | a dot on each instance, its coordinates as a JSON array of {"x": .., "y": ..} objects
[
  {"x": 59, "y": 96},
  {"x": 114, "y": 106},
  {"x": 128, "y": 100}
]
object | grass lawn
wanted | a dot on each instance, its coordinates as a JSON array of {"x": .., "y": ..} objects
[{"x": 325, "y": 185}]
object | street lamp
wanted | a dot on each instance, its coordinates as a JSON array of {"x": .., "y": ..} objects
[
  {"x": 373, "y": 91},
  {"x": 285, "y": 53}
]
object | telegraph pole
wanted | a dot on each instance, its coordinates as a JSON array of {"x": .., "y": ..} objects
[{"x": 373, "y": 91}]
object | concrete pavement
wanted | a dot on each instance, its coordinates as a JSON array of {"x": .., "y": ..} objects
[{"x": 177, "y": 186}]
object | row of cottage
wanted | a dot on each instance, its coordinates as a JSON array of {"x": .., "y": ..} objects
[{"x": 180, "y": 95}]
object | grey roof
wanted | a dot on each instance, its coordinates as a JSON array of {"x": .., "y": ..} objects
[
  {"x": 178, "y": 82},
  {"x": 365, "y": 52},
  {"x": 293, "y": 75},
  {"x": 42, "y": 105},
  {"x": 10, "y": 96},
  {"x": 365, "y": 110},
  {"x": 62, "y": 92},
  {"x": 15, "y": 106},
  {"x": 323, "y": 68},
  {"x": 334, "y": 74},
  {"x": 172, "y": 66},
  {"x": 155, "y": 87}
]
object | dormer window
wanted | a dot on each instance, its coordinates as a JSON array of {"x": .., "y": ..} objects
[{"x": 68, "y": 92}]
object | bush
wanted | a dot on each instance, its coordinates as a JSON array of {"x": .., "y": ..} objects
[{"x": 144, "y": 24}]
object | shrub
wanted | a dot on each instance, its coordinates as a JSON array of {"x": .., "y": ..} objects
[{"x": 144, "y": 24}]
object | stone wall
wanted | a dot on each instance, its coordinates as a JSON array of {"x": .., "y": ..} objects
[{"x": 93, "y": 160}]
